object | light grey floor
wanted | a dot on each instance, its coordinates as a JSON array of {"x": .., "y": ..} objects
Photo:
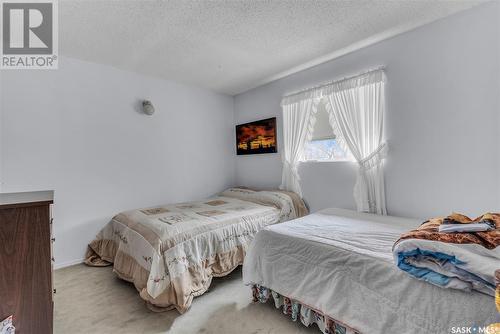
[{"x": 92, "y": 300}]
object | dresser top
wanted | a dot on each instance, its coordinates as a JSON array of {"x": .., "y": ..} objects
[{"x": 26, "y": 198}]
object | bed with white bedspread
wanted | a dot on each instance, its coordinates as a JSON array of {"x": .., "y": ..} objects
[{"x": 340, "y": 263}]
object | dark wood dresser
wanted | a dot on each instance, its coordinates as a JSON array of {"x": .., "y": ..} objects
[{"x": 26, "y": 261}]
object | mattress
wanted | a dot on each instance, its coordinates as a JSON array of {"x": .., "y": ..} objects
[
  {"x": 171, "y": 252},
  {"x": 340, "y": 262}
]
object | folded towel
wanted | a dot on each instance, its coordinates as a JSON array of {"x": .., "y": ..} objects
[
  {"x": 465, "y": 260},
  {"x": 460, "y": 223}
]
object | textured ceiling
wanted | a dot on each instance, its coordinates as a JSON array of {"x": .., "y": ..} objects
[{"x": 232, "y": 46}]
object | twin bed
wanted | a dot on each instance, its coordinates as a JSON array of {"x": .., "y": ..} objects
[
  {"x": 171, "y": 252},
  {"x": 334, "y": 268}
]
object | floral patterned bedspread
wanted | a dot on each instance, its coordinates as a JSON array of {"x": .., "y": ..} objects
[
  {"x": 297, "y": 310},
  {"x": 171, "y": 252}
]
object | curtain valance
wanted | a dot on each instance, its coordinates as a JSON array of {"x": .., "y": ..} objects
[{"x": 363, "y": 79}]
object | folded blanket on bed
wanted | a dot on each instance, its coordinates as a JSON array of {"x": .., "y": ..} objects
[{"x": 458, "y": 260}]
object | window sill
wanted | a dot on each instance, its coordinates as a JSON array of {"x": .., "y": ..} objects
[{"x": 328, "y": 161}]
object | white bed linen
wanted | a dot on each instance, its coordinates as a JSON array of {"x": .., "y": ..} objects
[{"x": 340, "y": 262}]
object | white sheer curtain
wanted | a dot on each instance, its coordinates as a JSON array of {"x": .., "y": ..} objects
[
  {"x": 298, "y": 122},
  {"x": 356, "y": 107}
]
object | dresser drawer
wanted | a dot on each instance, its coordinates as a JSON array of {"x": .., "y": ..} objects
[{"x": 25, "y": 248}]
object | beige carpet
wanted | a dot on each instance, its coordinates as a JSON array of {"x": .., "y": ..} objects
[{"x": 92, "y": 300}]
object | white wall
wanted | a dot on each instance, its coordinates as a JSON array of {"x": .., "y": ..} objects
[
  {"x": 78, "y": 130},
  {"x": 442, "y": 120}
]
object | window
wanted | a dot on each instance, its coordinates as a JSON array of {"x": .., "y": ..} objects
[
  {"x": 325, "y": 150},
  {"x": 323, "y": 145}
]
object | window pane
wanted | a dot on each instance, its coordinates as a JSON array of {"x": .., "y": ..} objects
[{"x": 326, "y": 150}]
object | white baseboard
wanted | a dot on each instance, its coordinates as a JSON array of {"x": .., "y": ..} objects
[{"x": 67, "y": 264}]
